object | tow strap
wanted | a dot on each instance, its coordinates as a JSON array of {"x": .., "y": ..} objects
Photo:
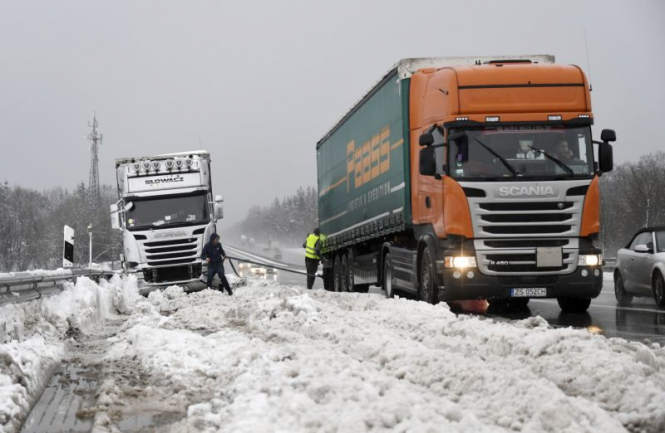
[{"x": 267, "y": 266}]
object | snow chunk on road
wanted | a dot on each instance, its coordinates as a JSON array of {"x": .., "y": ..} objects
[
  {"x": 274, "y": 358},
  {"x": 33, "y": 335}
]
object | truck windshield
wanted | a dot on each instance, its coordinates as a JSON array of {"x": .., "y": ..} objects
[
  {"x": 523, "y": 152},
  {"x": 172, "y": 211}
]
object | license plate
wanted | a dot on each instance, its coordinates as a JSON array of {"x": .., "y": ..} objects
[
  {"x": 530, "y": 292},
  {"x": 549, "y": 257}
]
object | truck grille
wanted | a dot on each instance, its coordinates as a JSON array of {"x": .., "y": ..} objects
[
  {"x": 526, "y": 218},
  {"x": 171, "y": 252},
  {"x": 508, "y": 230}
]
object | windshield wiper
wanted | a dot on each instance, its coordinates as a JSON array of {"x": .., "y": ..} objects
[
  {"x": 557, "y": 161},
  {"x": 501, "y": 158}
]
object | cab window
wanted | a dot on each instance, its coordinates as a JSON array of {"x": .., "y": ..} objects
[{"x": 440, "y": 154}]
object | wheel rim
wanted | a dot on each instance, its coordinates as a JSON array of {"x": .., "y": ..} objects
[
  {"x": 426, "y": 278},
  {"x": 388, "y": 279}
]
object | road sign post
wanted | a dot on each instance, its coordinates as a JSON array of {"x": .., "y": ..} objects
[{"x": 68, "y": 248}]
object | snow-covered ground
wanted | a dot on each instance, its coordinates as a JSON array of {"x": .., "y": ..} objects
[
  {"x": 278, "y": 358},
  {"x": 33, "y": 337},
  {"x": 275, "y": 358}
]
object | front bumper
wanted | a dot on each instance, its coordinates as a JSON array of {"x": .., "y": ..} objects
[{"x": 459, "y": 286}]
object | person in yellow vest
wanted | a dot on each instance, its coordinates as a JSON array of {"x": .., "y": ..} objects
[{"x": 312, "y": 248}]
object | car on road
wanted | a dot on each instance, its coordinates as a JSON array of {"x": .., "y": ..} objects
[{"x": 640, "y": 267}]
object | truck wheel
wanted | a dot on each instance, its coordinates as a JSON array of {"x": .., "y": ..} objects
[
  {"x": 337, "y": 275},
  {"x": 427, "y": 289},
  {"x": 518, "y": 302},
  {"x": 659, "y": 289},
  {"x": 623, "y": 298},
  {"x": 388, "y": 277},
  {"x": 574, "y": 305},
  {"x": 344, "y": 272}
]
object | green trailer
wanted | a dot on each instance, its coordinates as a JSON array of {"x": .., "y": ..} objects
[{"x": 363, "y": 168}]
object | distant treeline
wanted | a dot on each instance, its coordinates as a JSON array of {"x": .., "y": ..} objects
[
  {"x": 632, "y": 197},
  {"x": 31, "y": 222},
  {"x": 287, "y": 221},
  {"x": 31, "y": 227}
]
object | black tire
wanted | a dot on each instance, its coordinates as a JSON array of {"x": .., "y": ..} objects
[
  {"x": 574, "y": 305},
  {"x": 623, "y": 298},
  {"x": 344, "y": 270},
  {"x": 337, "y": 275},
  {"x": 387, "y": 277},
  {"x": 350, "y": 278},
  {"x": 328, "y": 279},
  {"x": 427, "y": 287},
  {"x": 659, "y": 289}
]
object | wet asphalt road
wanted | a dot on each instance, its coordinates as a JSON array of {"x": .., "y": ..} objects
[{"x": 642, "y": 321}]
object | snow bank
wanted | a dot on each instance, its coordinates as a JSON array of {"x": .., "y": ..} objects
[
  {"x": 275, "y": 358},
  {"x": 33, "y": 335}
]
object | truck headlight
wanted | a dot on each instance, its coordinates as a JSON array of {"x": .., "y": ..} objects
[
  {"x": 460, "y": 262},
  {"x": 590, "y": 260}
]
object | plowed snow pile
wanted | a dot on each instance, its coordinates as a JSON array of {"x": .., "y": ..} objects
[
  {"x": 275, "y": 358},
  {"x": 33, "y": 337}
]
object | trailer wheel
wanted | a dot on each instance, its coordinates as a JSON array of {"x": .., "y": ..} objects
[
  {"x": 388, "y": 276},
  {"x": 337, "y": 275},
  {"x": 344, "y": 270},
  {"x": 427, "y": 289},
  {"x": 574, "y": 305}
]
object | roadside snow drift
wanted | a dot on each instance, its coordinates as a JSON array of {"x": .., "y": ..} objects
[
  {"x": 33, "y": 335},
  {"x": 275, "y": 358}
]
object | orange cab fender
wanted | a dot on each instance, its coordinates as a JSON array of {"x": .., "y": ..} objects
[
  {"x": 456, "y": 213},
  {"x": 591, "y": 211}
]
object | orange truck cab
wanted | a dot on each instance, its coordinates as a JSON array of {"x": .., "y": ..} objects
[{"x": 502, "y": 189}]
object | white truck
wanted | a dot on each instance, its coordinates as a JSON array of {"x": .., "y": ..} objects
[{"x": 166, "y": 213}]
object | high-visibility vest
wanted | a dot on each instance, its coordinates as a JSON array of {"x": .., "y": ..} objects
[{"x": 310, "y": 247}]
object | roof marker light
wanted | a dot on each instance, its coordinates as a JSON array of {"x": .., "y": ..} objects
[
  {"x": 178, "y": 163},
  {"x": 146, "y": 166},
  {"x": 492, "y": 119},
  {"x": 583, "y": 116},
  {"x": 188, "y": 162},
  {"x": 136, "y": 166},
  {"x": 554, "y": 118},
  {"x": 460, "y": 119},
  {"x": 169, "y": 164},
  {"x": 155, "y": 165}
]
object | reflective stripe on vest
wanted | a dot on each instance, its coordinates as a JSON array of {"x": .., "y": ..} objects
[{"x": 310, "y": 250}]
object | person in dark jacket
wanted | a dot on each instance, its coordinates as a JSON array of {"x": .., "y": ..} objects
[
  {"x": 214, "y": 254},
  {"x": 312, "y": 248}
]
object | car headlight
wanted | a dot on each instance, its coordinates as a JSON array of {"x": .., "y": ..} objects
[
  {"x": 460, "y": 262},
  {"x": 590, "y": 260}
]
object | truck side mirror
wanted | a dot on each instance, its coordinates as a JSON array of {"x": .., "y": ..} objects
[
  {"x": 115, "y": 217},
  {"x": 218, "y": 210},
  {"x": 608, "y": 136},
  {"x": 427, "y": 164},
  {"x": 605, "y": 157},
  {"x": 426, "y": 139},
  {"x": 219, "y": 199}
]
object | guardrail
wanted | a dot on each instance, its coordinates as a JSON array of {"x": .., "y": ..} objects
[
  {"x": 27, "y": 286},
  {"x": 609, "y": 264}
]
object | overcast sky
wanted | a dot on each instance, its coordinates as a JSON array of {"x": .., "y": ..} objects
[{"x": 258, "y": 83}]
